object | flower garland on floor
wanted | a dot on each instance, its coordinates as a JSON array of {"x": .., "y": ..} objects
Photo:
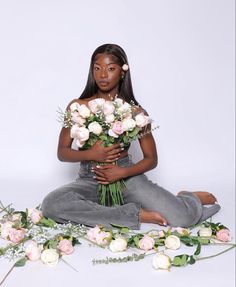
[{"x": 29, "y": 236}]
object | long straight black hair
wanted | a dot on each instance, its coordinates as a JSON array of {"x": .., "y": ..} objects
[{"x": 125, "y": 85}]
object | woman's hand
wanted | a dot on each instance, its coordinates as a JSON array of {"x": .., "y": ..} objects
[
  {"x": 99, "y": 153},
  {"x": 109, "y": 173}
]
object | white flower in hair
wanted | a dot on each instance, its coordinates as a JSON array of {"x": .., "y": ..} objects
[{"x": 125, "y": 67}]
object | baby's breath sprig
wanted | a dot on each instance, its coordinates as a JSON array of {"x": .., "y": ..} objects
[{"x": 129, "y": 258}]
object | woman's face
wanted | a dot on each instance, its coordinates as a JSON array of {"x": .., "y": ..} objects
[{"x": 107, "y": 73}]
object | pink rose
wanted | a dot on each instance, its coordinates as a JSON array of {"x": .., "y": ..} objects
[
  {"x": 93, "y": 232},
  {"x": 161, "y": 233},
  {"x": 223, "y": 235},
  {"x": 35, "y": 215},
  {"x": 32, "y": 250},
  {"x": 65, "y": 246},
  {"x": 16, "y": 235},
  {"x": 118, "y": 127},
  {"x": 146, "y": 243}
]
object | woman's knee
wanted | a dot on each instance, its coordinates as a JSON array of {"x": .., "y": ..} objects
[{"x": 50, "y": 206}]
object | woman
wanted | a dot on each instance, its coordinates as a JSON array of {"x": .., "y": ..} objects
[{"x": 144, "y": 201}]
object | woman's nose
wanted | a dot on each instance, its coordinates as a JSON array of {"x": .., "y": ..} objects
[{"x": 104, "y": 73}]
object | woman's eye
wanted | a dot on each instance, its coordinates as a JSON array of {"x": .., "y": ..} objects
[
  {"x": 111, "y": 69},
  {"x": 96, "y": 68}
]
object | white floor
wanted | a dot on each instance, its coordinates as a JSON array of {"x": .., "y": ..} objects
[{"x": 217, "y": 272}]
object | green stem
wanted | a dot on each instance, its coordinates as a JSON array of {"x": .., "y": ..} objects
[
  {"x": 8, "y": 273},
  {"x": 219, "y": 253},
  {"x": 68, "y": 264}
]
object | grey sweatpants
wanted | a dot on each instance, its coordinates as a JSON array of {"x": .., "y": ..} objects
[{"x": 78, "y": 202}]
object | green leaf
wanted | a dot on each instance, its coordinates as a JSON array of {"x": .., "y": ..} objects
[
  {"x": 198, "y": 250},
  {"x": 203, "y": 240},
  {"x": 48, "y": 222},
  {"x": 192, "y": 260},
  {"x": 21, "y": 262},
  {"x": 180, "y": 260}
]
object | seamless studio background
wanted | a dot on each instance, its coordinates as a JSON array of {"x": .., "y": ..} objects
[
  {"x": 181, "y": 57},
  {"x": 182, "y": 60}
]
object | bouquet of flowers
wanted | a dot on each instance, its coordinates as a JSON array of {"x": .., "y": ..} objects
[{"x": 111, "y": 122}]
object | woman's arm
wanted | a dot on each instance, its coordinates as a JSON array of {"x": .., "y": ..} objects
[{"x": 150, "y": 157}]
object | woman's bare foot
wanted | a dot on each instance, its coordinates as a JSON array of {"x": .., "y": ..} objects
[
  {"x": 204, "y": 196},
  {"x": 152, "y": 217}
]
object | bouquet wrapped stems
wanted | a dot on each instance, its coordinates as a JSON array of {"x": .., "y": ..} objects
[{"x": 111, "y": 194}]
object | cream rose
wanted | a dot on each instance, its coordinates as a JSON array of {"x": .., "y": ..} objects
[
  {"x": 118, "y": 245},
  {"x": 80, "y": 133},
  {"x": 50, "y": 257},
  {"x": 172, "y": 242},
  {"x": 96, "y": 105},
  {"x": 161, "y": 261},
  {"x": 76, "y": 118},
  {"x": 5, "y": 229},
  {"x": 95, "y": 128},
  {"x": 103, "y": 238},
  {"x": 205, "y": 231},
  {"x": 142, "y": 120},
  {"x": 74, "y": 106},
  {"x": 109, "y": 118},
  {"x": 146, "y": 243},
  {"x": 84, "y": 111},
  {"x": 108, "y": 108},
  {"x": 129, "y": 124},
  {"x": 35, "y": 215}
]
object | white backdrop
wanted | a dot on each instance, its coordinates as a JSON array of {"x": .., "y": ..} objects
[{"x": 182, "y": 59}]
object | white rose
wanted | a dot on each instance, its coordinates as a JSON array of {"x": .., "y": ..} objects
[
  {"x": 79, "y": 143},
  {"x": 161, "y": 261},
  {"x": 74, "y": 106},
  {"x": 76, "y": 118},
  {"x": 95, "y": 128},
  {"x": 172, "y": 242},
  {"x": 205, "y": 231},
  {"x": 118, "y": 102},
  {"x": 16, "y": 217},
  {"x": 109, "y": 118},
  {"x": 124, "y": 109},
  {"x": 80, "y": 133},
  {"x": 96, "y": 105},
  {"x": 118, "y": 245},
  {"x": 129, "y": 124},
  {"x": 142, "y": 120},
  {"x": 108, "y": 108},
  {"x": 84, "y": 111},
  {"x": 50, "y": 257}
]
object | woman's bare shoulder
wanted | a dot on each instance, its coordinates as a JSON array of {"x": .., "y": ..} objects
[{"x": 139, "y": 109}]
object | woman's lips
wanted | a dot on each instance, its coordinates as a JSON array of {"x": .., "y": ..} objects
[{"x": 103, "y": 83}]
